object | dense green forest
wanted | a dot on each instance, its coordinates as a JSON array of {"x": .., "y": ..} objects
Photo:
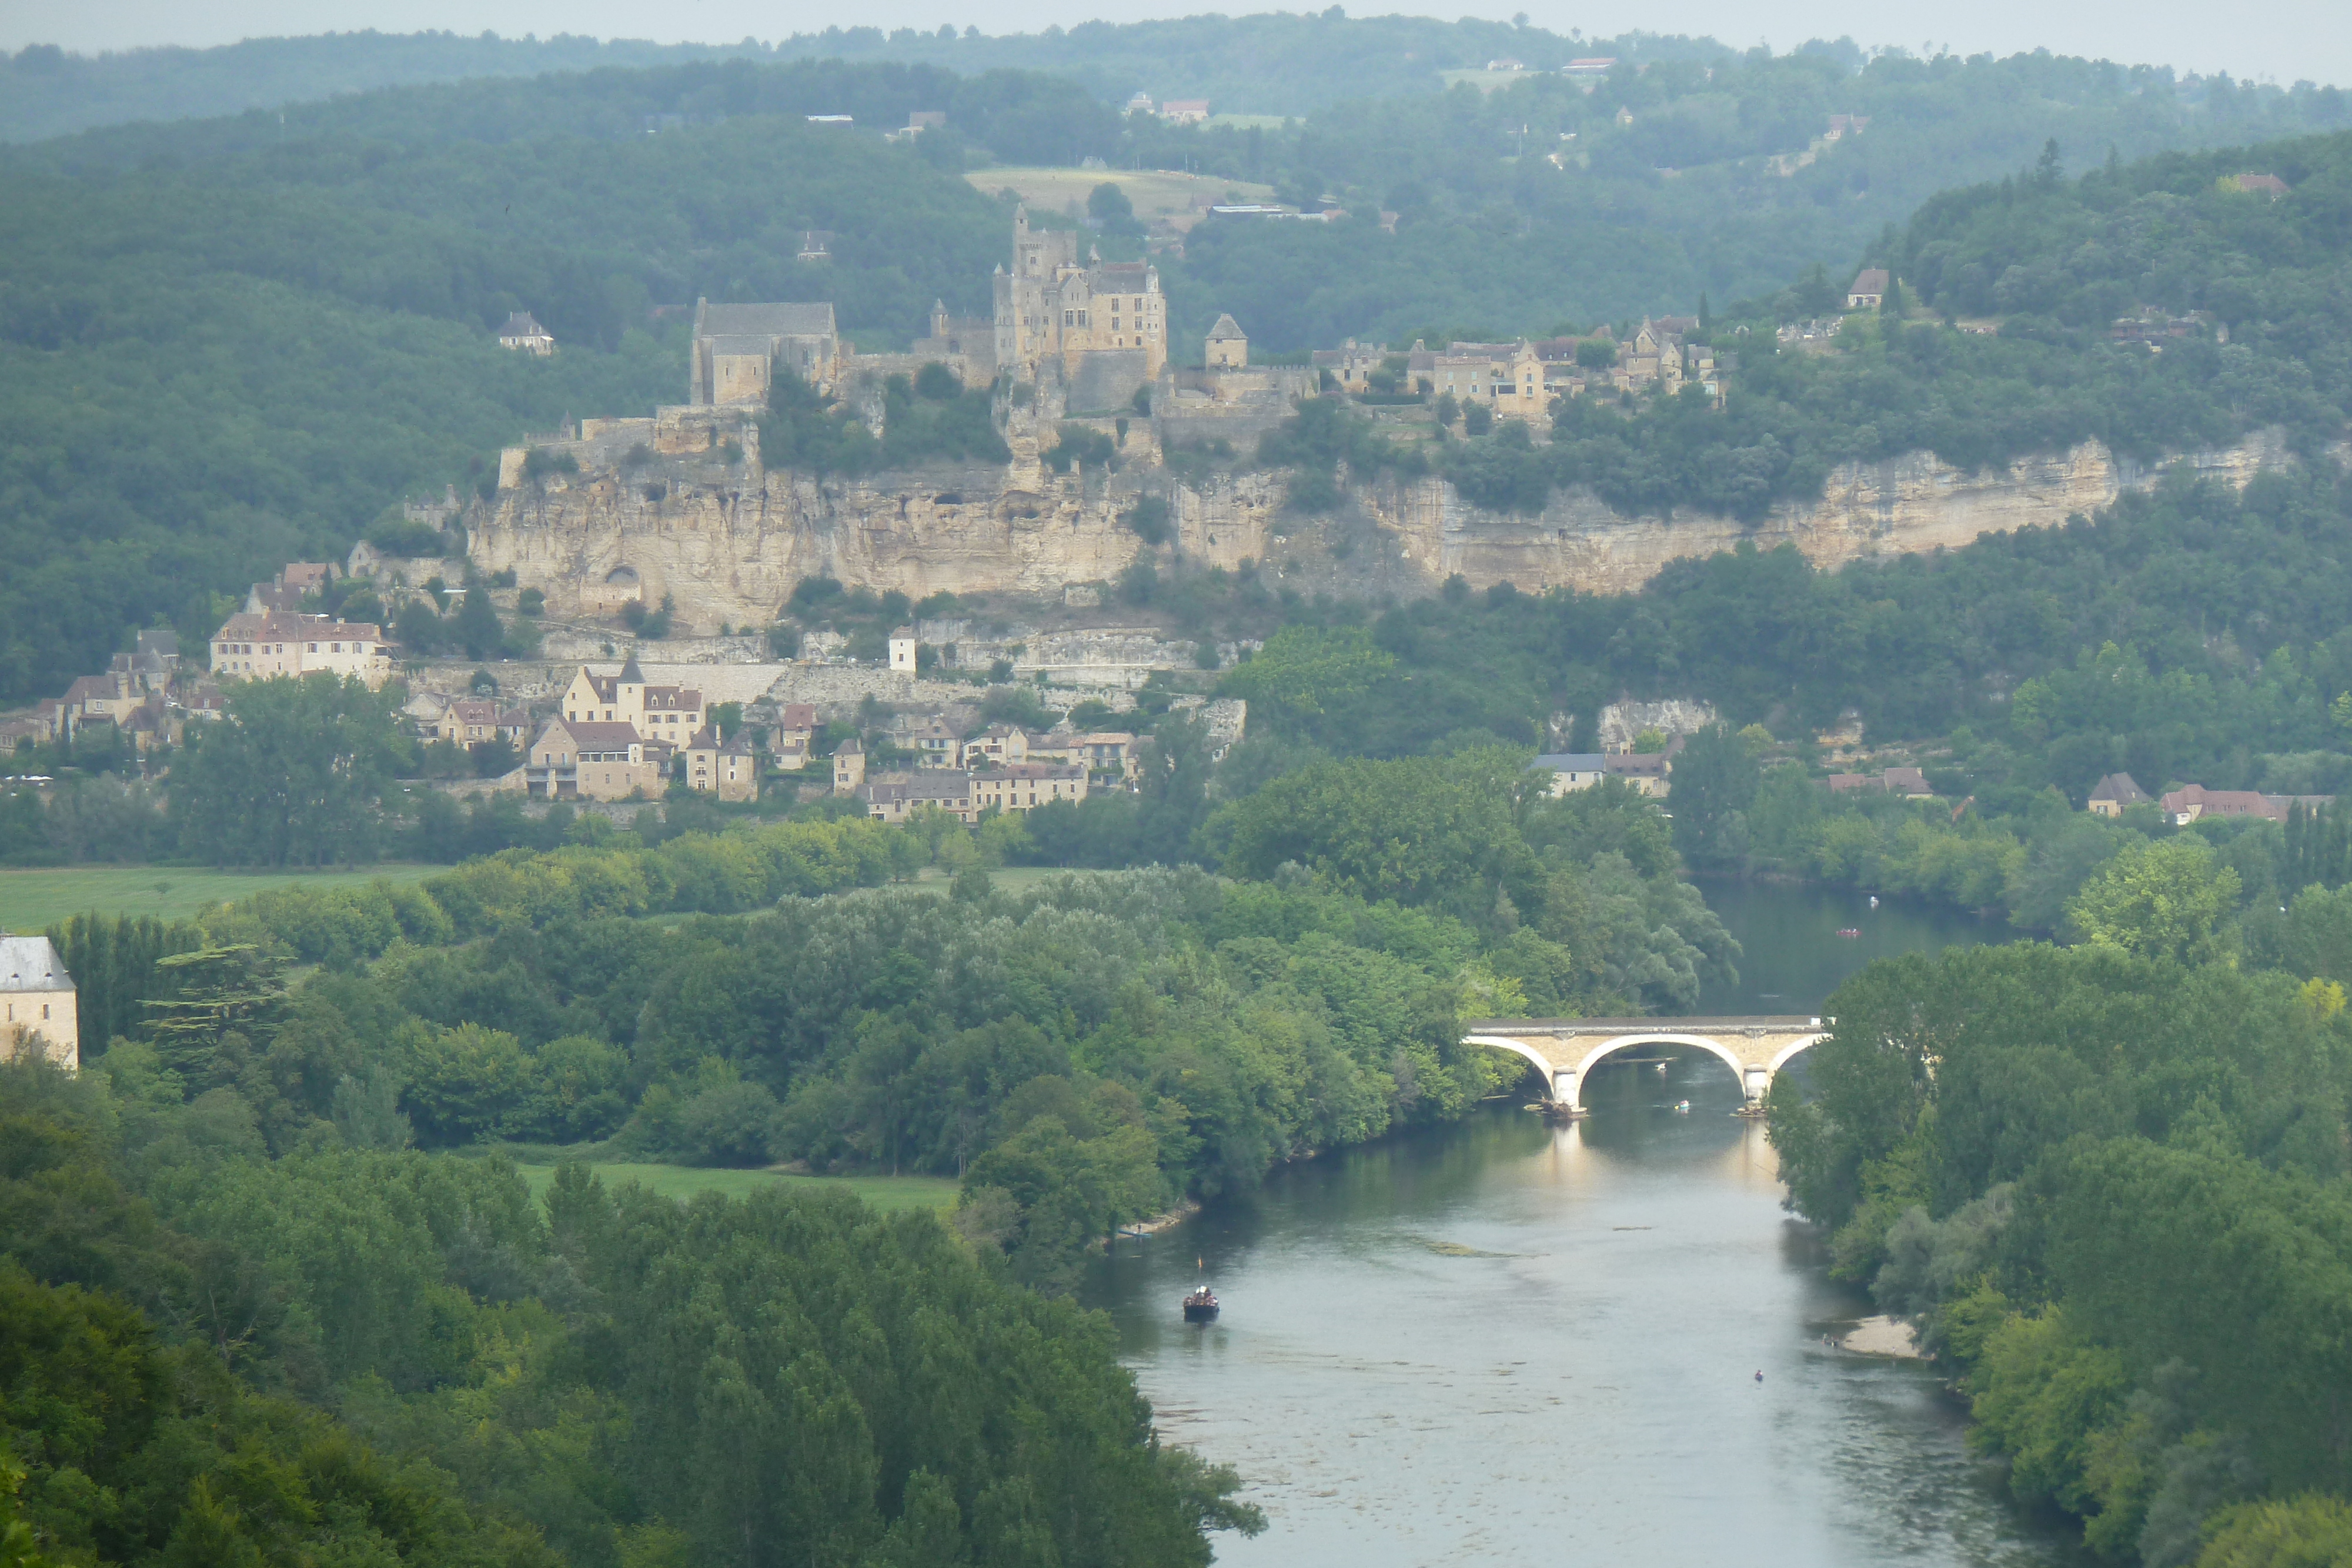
[
  {"x": 1088, "y": 1051},
  {"x": 2112, "y": 1186},
  {"x": 214, "y": 1353}
]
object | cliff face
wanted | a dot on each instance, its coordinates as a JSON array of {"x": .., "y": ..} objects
[
  {"x": 1911, "y": 504},
  {"x": 728, "y": 540}
]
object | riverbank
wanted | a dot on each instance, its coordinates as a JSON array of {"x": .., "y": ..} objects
[
  {"x": 1159, "y": 1222},
  {"x": 1883, "y": 1337}
]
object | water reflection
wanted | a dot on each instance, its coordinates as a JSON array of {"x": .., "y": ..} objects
[
  {"x": 1509, "y": 1343},
  {"x": 1792, "y": 954}
]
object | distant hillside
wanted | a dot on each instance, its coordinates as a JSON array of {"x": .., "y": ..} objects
[
  {"x": 1266, "y": 64},
  {"x": 1555, "y": 202},
  {"x": 206, "y": 369},
  {"x": 1269, "y": 63},
  {"x": 228, "y": 341},
  {"x": 1685, "y": 172}
]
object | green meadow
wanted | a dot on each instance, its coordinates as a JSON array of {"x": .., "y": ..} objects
[
  {"x": 34, "y": 898},
  {"x": 884, "y": 1193}
]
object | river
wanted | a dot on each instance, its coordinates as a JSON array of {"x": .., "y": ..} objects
[
  {"x": 1504, "y": 1342},
  {"x": 1792, "y": 954}
]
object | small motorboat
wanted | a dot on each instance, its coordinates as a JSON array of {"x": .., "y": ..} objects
[
  {"x": 1850, "y": 931},
  {"x": 1681, "y": 1107},
  {"x": 1200, "y": 1306}
]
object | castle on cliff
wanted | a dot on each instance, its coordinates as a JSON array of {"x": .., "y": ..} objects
[
  {"x": 1095, "y": 330},
  {"x": 1100, "y": 327}
]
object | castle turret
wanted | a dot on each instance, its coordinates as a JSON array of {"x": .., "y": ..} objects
[{"x": 1228, "y": 347}]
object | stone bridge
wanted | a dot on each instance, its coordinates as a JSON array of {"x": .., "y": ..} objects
[{"x": 1567, "y": 1049}]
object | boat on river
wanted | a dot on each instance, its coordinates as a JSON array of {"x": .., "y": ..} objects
[{"x": 1200, "y": 1306}]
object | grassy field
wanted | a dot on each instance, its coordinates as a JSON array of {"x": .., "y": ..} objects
[
  {"x": 35, "y": 898},
  {"x": 1156, "y": 192},
  {"x": 1003, "y": 878},
  {"x": 885, "y": 1192}
]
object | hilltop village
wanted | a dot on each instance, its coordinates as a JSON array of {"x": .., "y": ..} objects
[
  {"x": 1092, "y": 412},
  {"x": 634, "y": 574}
]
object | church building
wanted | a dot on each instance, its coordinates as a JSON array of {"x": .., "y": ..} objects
[{"x": 736, "y": 348}]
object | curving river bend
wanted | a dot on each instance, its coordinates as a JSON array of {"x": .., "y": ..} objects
[{"x": 1504, "y": 1342}]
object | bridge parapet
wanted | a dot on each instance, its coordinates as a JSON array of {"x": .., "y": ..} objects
[{"x": 1755, "y": 1047}]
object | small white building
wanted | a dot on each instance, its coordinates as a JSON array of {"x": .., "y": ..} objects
[
  {"x": 902, "y": 651},
  {"x": 524, "y": 335},
  {"x": 37, "y": 1003},
  {"x": 1571, "y": 770}
]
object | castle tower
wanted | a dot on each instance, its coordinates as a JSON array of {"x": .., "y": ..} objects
[{"x": 1228, "y": 347}]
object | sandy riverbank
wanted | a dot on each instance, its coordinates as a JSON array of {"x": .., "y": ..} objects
[
  {"x": 1159, "y": 1222},
  {"x": 1880, "y": 1336}
]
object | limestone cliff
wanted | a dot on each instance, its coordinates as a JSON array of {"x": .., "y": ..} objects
[
  {"x": 1910, "y": 504},
  {"x": 681, "y": 505}
]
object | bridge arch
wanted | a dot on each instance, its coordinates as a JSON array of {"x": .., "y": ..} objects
[
  {"x": 1543, "y": 1064},
  {"x": 1599, "y": 1053},
  {"x": 1789, "y": 1051}
]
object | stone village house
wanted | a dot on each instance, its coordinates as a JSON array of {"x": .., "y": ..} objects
[
  {"x": 615, "y": 736},
  {"x": 1018, "y": 786},
  {"x": 580, "y": 759}
]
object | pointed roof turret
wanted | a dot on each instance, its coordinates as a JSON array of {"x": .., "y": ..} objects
[
  {"x": 1225, "y": 330},
  {"x": 631, "y": 675}
]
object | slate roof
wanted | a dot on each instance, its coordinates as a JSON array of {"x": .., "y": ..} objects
[
  {"x": 931, "y": 784},
  {"x": 767, "y": 320},
  {"x": 600, "y": 735},
  {"x": 30, "y": 964},
  {"x": 246, "y": 626},
  {"x": 2120, "y": 788}
]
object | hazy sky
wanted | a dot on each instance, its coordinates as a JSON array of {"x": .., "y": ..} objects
[{"x": 2283, "y": 40}]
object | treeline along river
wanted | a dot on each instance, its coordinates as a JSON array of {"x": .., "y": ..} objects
[{"x": 1505, "y": 1341}]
